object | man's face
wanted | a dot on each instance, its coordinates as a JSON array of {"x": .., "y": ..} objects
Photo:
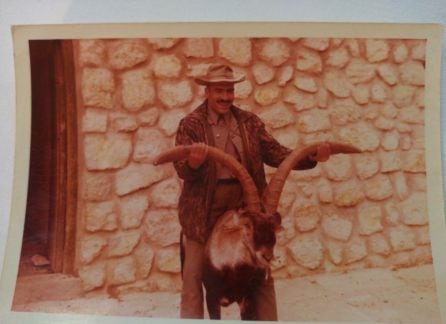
[{"x": 220, "y": 97}]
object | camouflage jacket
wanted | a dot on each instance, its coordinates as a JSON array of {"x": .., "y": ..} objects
[{"x": 196, "y": 196}]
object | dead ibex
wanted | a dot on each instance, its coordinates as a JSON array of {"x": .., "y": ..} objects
[{"x": 240, "y": 247}]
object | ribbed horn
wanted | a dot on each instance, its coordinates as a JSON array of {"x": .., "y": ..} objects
[
  {"x": 250, "y": 193},
  {"x": 272, "y": 193}
]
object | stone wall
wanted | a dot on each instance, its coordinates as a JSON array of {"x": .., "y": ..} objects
[{"x": 367, "y": 210}]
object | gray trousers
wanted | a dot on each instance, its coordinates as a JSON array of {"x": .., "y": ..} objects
[{"x": 227, "y": 196}]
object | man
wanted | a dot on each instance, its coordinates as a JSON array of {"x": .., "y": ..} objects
[{"x": 210, "y": 189}]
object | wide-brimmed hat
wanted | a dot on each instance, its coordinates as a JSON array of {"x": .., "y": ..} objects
[{"x": 219, "y": 73}]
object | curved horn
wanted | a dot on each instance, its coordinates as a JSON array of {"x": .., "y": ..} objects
[
  {"x": 272, "y": 193},
  {"x": 250, "y": 193}
]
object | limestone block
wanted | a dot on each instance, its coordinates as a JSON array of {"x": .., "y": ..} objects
[
  {"x": 93, "y": 276},
  {"x": 133, "y": 208},
  {"x": 338, "y": 167},
  {"x": 125, "y": 124},
  {"x": 411, "y": 115},
  {"x": 299, "y": 99},
  {"x": 318, "y": 44},
  {"x": 97, "y": 87},
  {"x": 344, "y": 112},
  {"x": 379, "y": 92},
  {"x": 165, "y": 193},
  {"x": 168, "y": 259},
  {"x": 384, "y": 123},
  {"x": 376, "y": 50},
  {"x": 322, "y": 97},
  {"x": 361, "y": 135},
  {"x": 361, "y": 94},
  {"x": 91, "y": 52},
  {"x": 366, "y": 165},
  {"x": 421, "y": 255},
  {"x": 123, "y": 243},
  {"x": 149, "y": 143},
  {"x": 378, "y": 188},
  {"x": 166, "y": 66},
  {"x": 144, "y": 256},
  {"x": 287, "y": 136},
  {"x": 412, "y": 72},
  {"x": 400, "y": 185},
  {"x": 198, "y": 47},
  {"x": 243, "y": 89},
  {"x": 414, "y": 161},
  {"x": 280, "y": 259},
  {"x": 405, "y": 142},
  {"x": 170, "y": 120},
  {"x": 337, "y": 227},
  {"x": 288, "y": 231},
  {"x": 388, "y": 72},
  {"x": 305, "y": 83},
  {"x": 337, "y": 83},
  {"x": 284, "y": 74},
  {"x": 266, "y": 95},
  {"x": 262, "y": 73},
  {"x": 338, "y": 57},
  {"x": 121, "y": 271},
  {"x": 162, "y": 227},
  {"x": 94, "y": 121},
  {"x": 423, "y": 235},
  {"x": 277, "y": 117},
  {"x": 355, "y": 250},
  {"x": 418, "y": 52},
  {"x": 108, "y": 151},
  {"x": 418, "y": 137},
  {"x": 390, "y": 161},
  {"x": 288, "y": 195},
  {"x": 307, "y": 251},
  {"x": 402, "y": 238},
  {"x": 125, "y": 54},
  {"x": 163, "y": 282},
  {"x": 359, "y": 71},
  {"x": 274, "y": 51},
  {"x": 335, "y": 252},
  {"x": 313, "y": 121},
  {"x": 137, "y": 176},
  {"x": 391, "y": 213},
  {"x": 369, "y": 217},
  {"x": 400, "y": 53},
  {"x": 353, "y": 47},
  {"x": 308, "y": 61},
  {"x": 378, "y": 244},
  {"x": 403, "y": 95},
  {"x": 403, "y": 127},
  {"x": 100, "y": 216},
  {"x": 347, "y": 194},
  {"x": 163, "y": 43},
  {"x": 238, "y": 51},
  {"x": 419, "y": 97},
  {"x": 137, "y": 89},
  {"x": 325, "y": 191},
  {"x": 414, "y": 209},
  {"x": 307, "y": 218},
  {"x": 388, "y": 110},
  {"x": 148, "y": 117},
  {"x": 390, "y": 141},
  {"x": 175, "y": 93},
  {"x": 418, "y": 182},
  {"x": 97, "y": 186},
  {"x": 91, "y": 247}
]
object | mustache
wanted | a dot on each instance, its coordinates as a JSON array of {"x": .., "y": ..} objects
[{"x": 224, "y": 101}]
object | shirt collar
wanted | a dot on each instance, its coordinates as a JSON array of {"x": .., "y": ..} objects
[{"x": 213, "y": 117}]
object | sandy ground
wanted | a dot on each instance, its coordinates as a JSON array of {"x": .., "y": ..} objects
[{"x": 371, "y": 295}]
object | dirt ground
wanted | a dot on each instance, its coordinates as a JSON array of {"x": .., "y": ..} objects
[{"x": 371, "y": 295}]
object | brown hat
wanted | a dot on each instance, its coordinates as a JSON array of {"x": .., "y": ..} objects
[{"x": 219, "y": 73}]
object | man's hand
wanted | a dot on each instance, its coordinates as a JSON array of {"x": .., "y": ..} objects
[
  {"x": 197, "y": 155},
  {"x": 322, "y": 154}
]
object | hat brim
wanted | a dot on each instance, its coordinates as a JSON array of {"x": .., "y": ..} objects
[{"x": 204, "y": 81}]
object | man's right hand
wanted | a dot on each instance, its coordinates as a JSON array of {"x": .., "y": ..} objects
[{"x": 197, "y": 155}]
